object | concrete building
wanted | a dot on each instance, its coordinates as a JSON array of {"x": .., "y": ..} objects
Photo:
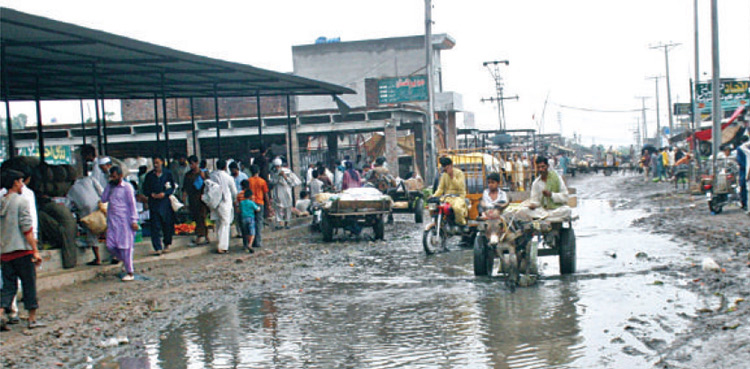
[{"x": 361, "y": 65}]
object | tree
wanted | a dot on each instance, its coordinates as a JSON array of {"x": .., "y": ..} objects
[{"x": 19, "y": 121}]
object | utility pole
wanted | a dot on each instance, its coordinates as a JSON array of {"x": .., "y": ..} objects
[
  {"x": 696, "y": 111},
  {"x": 643, "y": 114},
  {"x": 494, "y": 68},
  {"x": 666, "y": 48},
  {"x": 715, "y": 87},
  {"x": 658, "y": 119},
  {"x": 431, "y": 159}
]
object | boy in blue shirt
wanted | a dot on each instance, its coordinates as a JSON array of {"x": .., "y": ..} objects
[{"x": 248, "y": 207}]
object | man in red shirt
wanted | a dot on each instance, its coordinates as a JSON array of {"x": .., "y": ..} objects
[
  {"x": 19, "y": 255},
  {"x": 259, "y": 187}
]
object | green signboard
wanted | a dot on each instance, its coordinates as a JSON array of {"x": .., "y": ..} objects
[
  {"x": 402, "y": 89},
  {"x": 734, "y": 93},
  {"x": 56, "y": 154}
]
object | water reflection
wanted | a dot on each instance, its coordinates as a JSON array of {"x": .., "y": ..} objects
[
  {"x": 536, "y": 327},
  {"x": 462, "y": 324}
]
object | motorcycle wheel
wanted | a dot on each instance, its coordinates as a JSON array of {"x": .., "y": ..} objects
[
  {"x": 714, "y": 205},
  {"x": 430, "y": 241}
]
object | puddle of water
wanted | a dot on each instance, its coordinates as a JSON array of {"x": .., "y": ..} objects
[{"x": 398, "y": 308}]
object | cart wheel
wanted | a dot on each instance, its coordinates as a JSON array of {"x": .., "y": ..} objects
[
  {"x": 419, "y": 211},
  {"x": 327, "y": 228},
  {"x": 567, "y": 248},
  {"x": 607, "y": 172},
  {"x": 379, "y": 228},
  {"x": 390, "y": 218},
  {"x": 484, "y": 258}
]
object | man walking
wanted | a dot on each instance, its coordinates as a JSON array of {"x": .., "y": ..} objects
[
  {"x": 224, "y": 213},
  {"x": 19, "y": 255},
  {"x": 122, "y": 220},
  {"x": 259, "y": 187},
  {"x": 84, "y": 196},
  {"x": 159, "y": 185},
  {"x": 192, "y": 193}
]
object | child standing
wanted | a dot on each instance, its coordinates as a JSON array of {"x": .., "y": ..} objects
[{"x": 248, "y": 207}]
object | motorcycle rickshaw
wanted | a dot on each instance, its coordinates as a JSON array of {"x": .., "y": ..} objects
[{"x": 476, "y": 165}]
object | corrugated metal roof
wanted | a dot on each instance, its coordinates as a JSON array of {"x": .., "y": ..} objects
[{"x": 62, "y": 57}]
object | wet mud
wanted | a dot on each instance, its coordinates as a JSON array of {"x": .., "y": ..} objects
[{"x": 638, "y": 299}]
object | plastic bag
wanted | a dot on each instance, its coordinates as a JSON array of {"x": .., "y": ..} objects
[
  {"x": 96, "y": 222},
  {"x": 176, "y": 204}
]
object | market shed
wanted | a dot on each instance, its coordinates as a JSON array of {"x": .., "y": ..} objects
[{"x": 45, "y": 59}]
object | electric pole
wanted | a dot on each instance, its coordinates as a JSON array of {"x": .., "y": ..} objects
[
  {"x": 715, "y": 87},
  {"x": 494, "y": 68},
  {"x": 431, "y": 158},
  {"x": 666, "y": 48},
  {"x": 643, "y": 112},
  {"x": 658, "y": 119}
]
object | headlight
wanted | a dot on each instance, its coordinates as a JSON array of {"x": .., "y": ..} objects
[{"x": 432, "y": 207}]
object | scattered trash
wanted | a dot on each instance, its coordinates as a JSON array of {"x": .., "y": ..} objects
[
  {"x": 728, "y": 327},
  {"x": 114, "y": 341},
  {"x": 658, "y": 283},
  {"x": 641, "y": 255},
  {"x": 710, "y": 265}
]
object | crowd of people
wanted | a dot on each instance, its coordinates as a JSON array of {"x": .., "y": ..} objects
[{"x": 664, "y": 164}]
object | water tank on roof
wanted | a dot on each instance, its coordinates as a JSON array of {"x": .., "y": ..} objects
[
  {"x": 324, "y": 40},
  {"x": 321, "y": 40}
]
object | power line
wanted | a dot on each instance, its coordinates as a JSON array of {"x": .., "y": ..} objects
[{"x": 593, "y": 110}]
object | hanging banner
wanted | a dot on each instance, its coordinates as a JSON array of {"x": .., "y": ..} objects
[
  {"x": 734, "y": 93},
  {"x": 402, "y": 89},
  {"x": 57, "y": 154}
]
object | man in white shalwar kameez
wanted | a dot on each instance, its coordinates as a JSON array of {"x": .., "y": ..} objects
[
  {"x": 224, "y": 213},
  {"x": 549, "y": 195},
  {"x": 282, "y": 192}
]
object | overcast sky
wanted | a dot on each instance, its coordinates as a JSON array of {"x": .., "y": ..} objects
[{"x": 590, "y": 54}]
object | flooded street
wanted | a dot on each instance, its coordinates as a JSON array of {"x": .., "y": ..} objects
[{"x": 362, "y": 304}]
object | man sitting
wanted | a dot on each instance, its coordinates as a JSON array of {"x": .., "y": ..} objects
[
  {"x": 452, "y": 182},
  {"x": 549, "y": 195},
  {"x": 494, "y": 200}
]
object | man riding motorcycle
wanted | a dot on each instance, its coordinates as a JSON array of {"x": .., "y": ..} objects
[{"x": 452, "y": 182}]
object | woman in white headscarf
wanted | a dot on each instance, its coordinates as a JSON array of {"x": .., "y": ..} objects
[{"x": 283, "y": 180}]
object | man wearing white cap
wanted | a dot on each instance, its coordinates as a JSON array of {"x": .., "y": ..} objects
[
  {"x": 283, "y": 180},
  {"x": 100, "y": 171}
]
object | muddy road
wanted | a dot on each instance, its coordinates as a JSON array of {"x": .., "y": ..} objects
[{"x": 639, "y": 299}]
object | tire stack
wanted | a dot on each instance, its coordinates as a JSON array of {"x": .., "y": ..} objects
[{"x": 57, "y": 226}]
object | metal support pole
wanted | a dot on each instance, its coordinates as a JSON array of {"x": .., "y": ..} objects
[
  {"x": 96, "y": 109},
  {"x": 431, "y": 158},
  {"x": 260, "y": 117},
  {"x": 715, "y": 86},
  {"x": 165, "y": 119},
  {"x": 289, "y": 130},
  {"x": 192, "y": 128},
  {"x": 83, "y": 124},
  {"x": 104, "y": 125},
  {"x": 218, "y": 126},
  {"x": 156, "y": 117},
  {"x": 39, "y": 130},
  {"x": 289, "y": 142},
  {"x": 6, "y": 97}
]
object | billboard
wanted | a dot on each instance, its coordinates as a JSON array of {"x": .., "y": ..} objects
[
  {"x": 734, "y": 93},
  {"x": 57, "y": 154},
  {"x": 402, "y": 89}
]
